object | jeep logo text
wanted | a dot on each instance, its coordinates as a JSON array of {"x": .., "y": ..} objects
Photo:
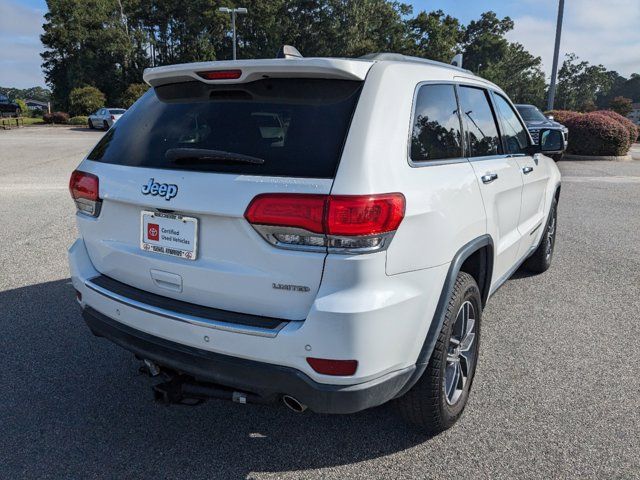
[{"x": 168, "y": 191}]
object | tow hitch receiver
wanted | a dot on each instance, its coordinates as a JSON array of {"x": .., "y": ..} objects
[
  {"x": 172, "y": 392},
  {"x": 181, "y": 389}
]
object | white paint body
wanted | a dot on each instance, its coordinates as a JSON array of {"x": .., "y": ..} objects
[{"x": 375, "y": 307}]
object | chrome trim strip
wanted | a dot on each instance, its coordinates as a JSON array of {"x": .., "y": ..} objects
[
  {"x": 267, "y": 232},
  {"x": 535, "y": 229},
  {"x": 201, "y": 322}
]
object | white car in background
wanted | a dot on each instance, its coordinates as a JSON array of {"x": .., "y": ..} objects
[
  {"x": 336, "y": 264},
  {"x": 105, "y": 117}
]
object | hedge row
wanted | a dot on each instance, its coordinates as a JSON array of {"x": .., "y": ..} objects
[
  {"x": 79, "y": 120},
  {"x": 56, "y": 117},
  {"x": 603, "y": 132}
]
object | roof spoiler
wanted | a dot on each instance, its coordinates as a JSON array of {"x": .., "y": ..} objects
[{"x": 243, "y": 71}]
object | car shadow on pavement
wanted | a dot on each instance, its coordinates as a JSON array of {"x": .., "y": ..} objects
[{"x": 75, "y": 406}]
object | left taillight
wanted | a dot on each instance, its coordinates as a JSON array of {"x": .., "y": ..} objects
[{"x": 84, "y": 189}]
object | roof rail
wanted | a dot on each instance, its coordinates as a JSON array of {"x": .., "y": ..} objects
[{"x": 398, "y": 57}]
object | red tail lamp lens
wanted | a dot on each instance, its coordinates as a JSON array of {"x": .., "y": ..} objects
[
  {"x": 344, "y": 215},
  {"x": 364, "y": 215},
  {"x": 83, "y": 185},
  {"x": 221, "y": 74},
  {"x": 326, "y": 366},
  {"x": 288, "y": 210}
]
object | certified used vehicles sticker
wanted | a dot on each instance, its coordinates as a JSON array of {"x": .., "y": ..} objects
[{"x": 169, "y": 234}]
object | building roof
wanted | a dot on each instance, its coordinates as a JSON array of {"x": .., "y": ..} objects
[{"x": 35, "y": 102}]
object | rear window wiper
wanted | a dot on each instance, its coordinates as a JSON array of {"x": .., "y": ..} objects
[{"x": 198, "y": 155}]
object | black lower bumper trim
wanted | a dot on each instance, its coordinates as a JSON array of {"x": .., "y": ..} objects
[{"x": 266, "y": 380}]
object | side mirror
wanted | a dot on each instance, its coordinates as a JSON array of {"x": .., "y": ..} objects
[
  {"x": 550, "y": 117},
  {"x": 551, "y": 141}
]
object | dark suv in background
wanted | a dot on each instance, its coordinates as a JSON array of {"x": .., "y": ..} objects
[
  {"x": 535, "y": 120},
  {"x": 8, "y": 108}
]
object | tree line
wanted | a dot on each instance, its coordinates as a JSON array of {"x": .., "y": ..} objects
[{"x": 108, "y": 43}]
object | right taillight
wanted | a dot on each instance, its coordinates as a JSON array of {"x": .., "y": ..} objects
[
  {"x": 84, "y": 189},
  {"x": 340, "y": 223}
]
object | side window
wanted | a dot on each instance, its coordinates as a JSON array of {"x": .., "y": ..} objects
[
  {"x": 514, "y": 133},
  {"x": 436, "y": 126},
  {"x": 480, "y": 124}
]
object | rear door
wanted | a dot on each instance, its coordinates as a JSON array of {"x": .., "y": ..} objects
[
  {"x": 534, "y": 175},
  {"x": 155, "y": 181},
  {"x": 498, "y": 176}
]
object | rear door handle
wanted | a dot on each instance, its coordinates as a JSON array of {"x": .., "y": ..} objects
[
  {"x": 489, "y": 177},
  {"x": 527, "y": 170}
]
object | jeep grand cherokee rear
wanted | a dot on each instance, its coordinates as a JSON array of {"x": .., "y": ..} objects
[{"x": 323, "y": 232}]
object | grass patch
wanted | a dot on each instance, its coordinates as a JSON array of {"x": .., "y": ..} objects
[{"x": 32, "y": 121}]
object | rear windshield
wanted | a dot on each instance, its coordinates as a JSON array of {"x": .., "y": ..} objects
[
  {"x": 116, "y": 111},
  {"x": 278, "y": 127}
]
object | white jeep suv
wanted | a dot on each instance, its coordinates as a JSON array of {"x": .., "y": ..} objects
[{"x": 320, "y": 231}]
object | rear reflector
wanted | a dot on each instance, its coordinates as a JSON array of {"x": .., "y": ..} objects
[
  {"x": 333, "y": 367},
  {"x": 221, "y": 74},
  {"x": 344, "y": 223},
  {"x": 84, "y": 188}
]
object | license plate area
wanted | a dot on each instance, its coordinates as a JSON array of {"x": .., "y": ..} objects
[{"x": 169, "y": 234}]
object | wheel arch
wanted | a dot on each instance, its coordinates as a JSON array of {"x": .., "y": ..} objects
[{"x": 474, "y": 258}]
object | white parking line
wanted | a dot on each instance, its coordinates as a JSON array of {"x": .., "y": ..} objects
[
  {"x": 610, "y": 179},
  {"x": 25, "y": 187}
]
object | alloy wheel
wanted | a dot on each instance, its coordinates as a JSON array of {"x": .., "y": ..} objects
[
  {"x": 461, "y": 353},
  {"x": 551, "y": 235}
]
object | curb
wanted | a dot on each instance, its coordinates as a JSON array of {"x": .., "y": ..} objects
[{"x": 607, "y": 158}]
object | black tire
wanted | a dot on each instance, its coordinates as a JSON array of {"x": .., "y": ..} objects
[
  {"x": 105, "y": 125},
  {"x": 540, "y": 260},
  {"x": 557, "y": 157},
  {"x": 428, "y": 405},
  {"x": 91, "y": 125}
]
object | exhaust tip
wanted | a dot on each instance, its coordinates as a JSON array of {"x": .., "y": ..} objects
[{"x": 293, "y": 404}]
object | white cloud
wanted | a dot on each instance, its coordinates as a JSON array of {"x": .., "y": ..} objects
[
  {"x": 20, "y": 29},
  {"x": 606, "y": 33}
]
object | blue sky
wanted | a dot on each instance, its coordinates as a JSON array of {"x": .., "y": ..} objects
[{"x": 600, "y": 31}]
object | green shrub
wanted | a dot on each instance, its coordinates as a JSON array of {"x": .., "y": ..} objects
[
  {"x": 79, "y": 120},
  {"x": 133, "y": 93},
  {"x": 596, "y": 134},
  {"x": 56, "y": 117},
  {"x": 23, "y": 107},
  {"x": 85, "y": 100},
  {"x": 628, "y": 124}
]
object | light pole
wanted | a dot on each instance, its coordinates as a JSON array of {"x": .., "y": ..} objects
[
  {"x": 233, "y": 12},
  {"x": 556, "y": 51}
]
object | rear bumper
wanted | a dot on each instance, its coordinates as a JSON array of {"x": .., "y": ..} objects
[{"x": 268, "y": 381}]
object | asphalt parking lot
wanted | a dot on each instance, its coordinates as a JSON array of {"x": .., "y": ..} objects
[{"x": 556, "y": 394}]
